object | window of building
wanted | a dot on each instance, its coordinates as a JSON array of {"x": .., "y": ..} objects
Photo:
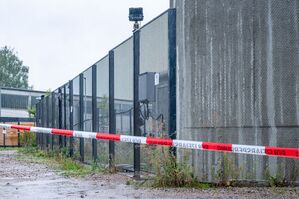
[{"x": 14, "y": 101}]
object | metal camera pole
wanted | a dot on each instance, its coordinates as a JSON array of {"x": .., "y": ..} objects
[{"x": 136, "y": 15}]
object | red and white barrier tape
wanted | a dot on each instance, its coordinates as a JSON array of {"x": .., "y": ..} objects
[{"x": 211, "y": 146}]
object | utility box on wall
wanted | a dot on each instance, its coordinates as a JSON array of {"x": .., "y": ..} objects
[{"x": 147, "y": 88}]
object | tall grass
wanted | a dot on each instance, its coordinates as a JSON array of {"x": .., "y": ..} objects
[{"x": 168, "y": 172}]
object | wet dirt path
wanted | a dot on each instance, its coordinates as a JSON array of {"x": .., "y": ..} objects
[{"x": 24, "y": 179}]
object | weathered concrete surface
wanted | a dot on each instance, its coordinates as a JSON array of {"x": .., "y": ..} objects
[
  {"x": 238, "y": 82},
  {"x": 20, "y": 178}
]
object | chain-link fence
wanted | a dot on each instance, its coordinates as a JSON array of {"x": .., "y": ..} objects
[{"x": 101, "y": 99}]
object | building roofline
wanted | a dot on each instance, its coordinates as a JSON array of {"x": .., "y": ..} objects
[{"x": 21, "y": 89}]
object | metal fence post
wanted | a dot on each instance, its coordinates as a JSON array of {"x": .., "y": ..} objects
[
  {"x": 130, "y": 120},
  {"x": 71, "y": 150},
  {"x": 172, "y": 75},
  {"x": 37, "y": 122},
  {"x": 19, "y": 143},
  {"x": 37, "y": 118},
  {"x": 42, "y": 122},
  {"x": 111, "y": 108},
  {"x": 64, "y": 114},
  {"x": 94, "y": 111},
  {"x": 53, "y": 119},
  {"x": 136, "y": 105},
  {"x": 47, "y": 122},
  {"x": 81, "y": 116},
  {"x": 60, "y": 115},
  {"x": 38, "y": 108}
]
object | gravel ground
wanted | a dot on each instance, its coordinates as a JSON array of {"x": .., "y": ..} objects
[{"x": 24, "y": 179}]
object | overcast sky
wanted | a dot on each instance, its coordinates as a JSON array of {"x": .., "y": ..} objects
[{"x": 58, "y": 39}]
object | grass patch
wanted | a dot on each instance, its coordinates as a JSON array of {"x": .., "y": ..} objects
[
  {"x": 168, "y": 172},
  {"x": 7, "y": 148},
  {"x": 58, "y": 161}
]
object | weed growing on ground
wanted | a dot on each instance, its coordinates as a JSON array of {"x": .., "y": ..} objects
[
  {"x": 58, "y": 160},
  {"x": 275, "y": 181},
  {"x": 28, "y": 139},
  {"x": 171, "y": 173},
  {"x": 7, "y": 148},
  {"x": 227, "y": 173}
]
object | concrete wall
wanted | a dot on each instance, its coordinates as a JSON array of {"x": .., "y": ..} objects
[{"x": 238, "y": 82}]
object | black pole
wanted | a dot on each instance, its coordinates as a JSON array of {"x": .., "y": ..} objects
[
  {"x": 42, "y": 122},
  {"x": 81, "y": 116},
  {"x": 19, "y": 143},
  {"x": 111, "y": 108},
  {"x": 37, "y": 122},
  {"x": 64, "y": 113},
  {"x": 53, "y": 119},
  {"x": 130, "y": 115},
  {"x": 71, "y": 150},
  {"x": 47, "y": 122},
  {"x": 172, "y": 75},
  {"x": 136, "y": 105},
  {"x": 95, "y": 127},
  {"x": 60, "y": 115}
]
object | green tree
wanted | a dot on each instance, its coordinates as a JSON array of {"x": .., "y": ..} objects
[{"x": 12, "y": 71}]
